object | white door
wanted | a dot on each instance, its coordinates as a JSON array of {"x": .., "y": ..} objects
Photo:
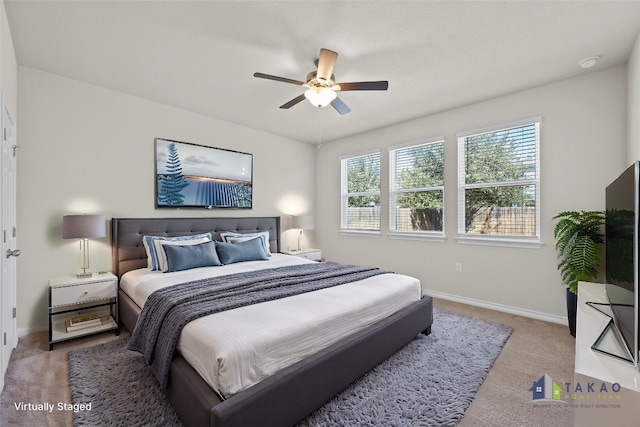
[{"x": 9, "y": 338}]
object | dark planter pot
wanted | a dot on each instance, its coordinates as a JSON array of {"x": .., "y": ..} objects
[{"x": 572, "y": 308}]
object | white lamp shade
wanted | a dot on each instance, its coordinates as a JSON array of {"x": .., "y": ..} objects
[
  {"x": 320, "y": 96},
  {"x": 304, "y": 222},
  {"x": 83, "y": 226}
]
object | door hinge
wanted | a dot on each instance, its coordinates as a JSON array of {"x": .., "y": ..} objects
[
  {"x": 14, "y": 312},
  {"x": 14, "y": 232},
  {"x": 5, "y": 338}
]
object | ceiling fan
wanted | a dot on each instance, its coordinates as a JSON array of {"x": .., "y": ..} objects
[{"x": 321, "y": 85}]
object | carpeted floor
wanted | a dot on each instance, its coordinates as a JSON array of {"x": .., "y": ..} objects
[
  {"x": 430, "y": 382},
  {"x": 535, "y": 347},
  {"x": 122, "y": 392}
]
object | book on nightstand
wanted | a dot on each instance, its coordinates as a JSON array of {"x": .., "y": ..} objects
[{"x": 82, "y": 322}]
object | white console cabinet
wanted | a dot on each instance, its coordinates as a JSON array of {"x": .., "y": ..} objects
[{"x": 601, "y": 371}]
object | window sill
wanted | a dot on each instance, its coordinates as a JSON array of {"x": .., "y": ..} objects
[
  {"x": 497, "y": 241},
  {"x": 408, "y": 235},
  {"x": 360, "y": 233}
]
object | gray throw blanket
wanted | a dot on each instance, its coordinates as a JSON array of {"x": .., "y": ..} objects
[{"x": 168, "y": 310}]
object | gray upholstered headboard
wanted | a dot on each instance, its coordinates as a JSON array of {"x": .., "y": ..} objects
[{"x": 126, "y": 234}]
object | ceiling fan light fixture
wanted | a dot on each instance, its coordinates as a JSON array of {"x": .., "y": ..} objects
[{"x": 320, "y": 96}]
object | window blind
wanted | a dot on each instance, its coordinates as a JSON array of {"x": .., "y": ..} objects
[
  {"x": 498, "y": 184},
  {"x": 416, "y": 187},
  {"x": 503, "y": 156},
  {"x": 360, "y": 198}
]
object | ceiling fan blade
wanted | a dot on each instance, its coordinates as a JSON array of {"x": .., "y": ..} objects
[
  {"x": 379, "y": 85},
  {"x": 340, "y": 106},
  {"x": 293, "y": 102},
  {"x": 326, "y": 61},
  {"x": 278, "y": 79}
]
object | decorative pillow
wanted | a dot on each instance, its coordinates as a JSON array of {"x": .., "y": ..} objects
[
  {"x": 264, "y": 236},
  {"x": 161, "y": 244},
  {"x": 150, "y": 248},
  {"x": 185, "y": 257},
  {"x": 249, "y": 250},
  {"x": 229, "y": 239}
]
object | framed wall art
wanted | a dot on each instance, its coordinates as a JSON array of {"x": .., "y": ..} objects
[{"x": 197, "y": 176}]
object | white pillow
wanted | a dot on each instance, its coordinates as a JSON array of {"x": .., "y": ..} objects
[
  {"x": 263, "y": 235},
  {"x": 162, "y": 255}
]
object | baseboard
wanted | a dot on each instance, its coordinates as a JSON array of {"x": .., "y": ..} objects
[
  {"x": 499, "y": 307},
  {"x": 31, "y": 330}
]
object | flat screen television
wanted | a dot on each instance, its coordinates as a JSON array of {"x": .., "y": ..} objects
[{"x": 621, "y": 259}]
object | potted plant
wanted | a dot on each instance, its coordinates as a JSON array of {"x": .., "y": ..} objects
[{"x": 577, "y": 236}]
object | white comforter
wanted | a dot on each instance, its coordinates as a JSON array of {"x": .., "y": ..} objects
[{"x": 235, "y": 349}]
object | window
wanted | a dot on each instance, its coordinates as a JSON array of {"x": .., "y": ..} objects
[
  {"x": 360, "y": 202},
  {"x": 416, "y": 189},
  {"x": 499, "y": 184}
]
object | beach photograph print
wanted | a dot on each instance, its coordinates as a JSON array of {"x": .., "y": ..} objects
[{"x": 191, "y": 175}]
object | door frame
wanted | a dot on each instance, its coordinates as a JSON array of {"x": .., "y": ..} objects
[{"x": 8, "y": 234}]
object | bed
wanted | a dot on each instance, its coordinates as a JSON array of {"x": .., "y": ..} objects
[{"x": 289, "y": 394}]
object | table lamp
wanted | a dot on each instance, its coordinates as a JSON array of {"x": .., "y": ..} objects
[
  {"x": 304, "y": 222},
  {"x": 83, "y": 227}
]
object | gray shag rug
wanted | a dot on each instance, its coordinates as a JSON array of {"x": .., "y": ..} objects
[{"x": 430, "y": 382}]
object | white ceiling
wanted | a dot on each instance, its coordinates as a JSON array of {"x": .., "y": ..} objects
[{"x": 200, "y": 56}]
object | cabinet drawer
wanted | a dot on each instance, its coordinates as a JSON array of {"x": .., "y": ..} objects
[
  {"x": 65, "y": 295},
  {"x": 313, "y": 256}
]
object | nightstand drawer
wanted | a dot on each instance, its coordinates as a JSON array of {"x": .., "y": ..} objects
[
  {"x": 65, "y": 295},
  {"x": 313, "y": 256},
  {"x": 310, "y": 254}
]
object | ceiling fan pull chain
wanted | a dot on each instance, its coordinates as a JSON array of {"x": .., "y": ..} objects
[{"x": 319, "y": 127}]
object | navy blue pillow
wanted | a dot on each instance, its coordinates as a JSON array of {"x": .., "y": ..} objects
[
  {"x": 184, "y": 257},
  {"x": 250, "y": 250}
]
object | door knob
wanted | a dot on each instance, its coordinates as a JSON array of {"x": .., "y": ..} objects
[{"x": 15, "y": 252}]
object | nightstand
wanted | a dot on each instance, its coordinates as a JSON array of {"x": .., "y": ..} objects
[
  {"x": 82, "y": 306},
  {"x": 312, "y": 254}
]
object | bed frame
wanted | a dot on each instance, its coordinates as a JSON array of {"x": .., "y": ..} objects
[{"x": 289, "y": 395}]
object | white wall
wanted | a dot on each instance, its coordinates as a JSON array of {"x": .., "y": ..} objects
[
  {"x": 633, "y": 143},
  {"x": 85, "y": 149},
  {"x": 8, "y": 65},
  {"x": 583, "y": 134}
]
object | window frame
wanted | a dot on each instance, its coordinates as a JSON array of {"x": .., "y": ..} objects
[
  {"x": 344, "y": 195},
  {"x": 488, "y": 239},
  {"x": 394, "y": 233}
]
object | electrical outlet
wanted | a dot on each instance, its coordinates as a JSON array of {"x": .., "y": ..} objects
[{"x": 459, "y": 267}]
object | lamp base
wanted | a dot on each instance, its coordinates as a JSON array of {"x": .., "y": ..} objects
[{"x": 84, "y": 275}]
